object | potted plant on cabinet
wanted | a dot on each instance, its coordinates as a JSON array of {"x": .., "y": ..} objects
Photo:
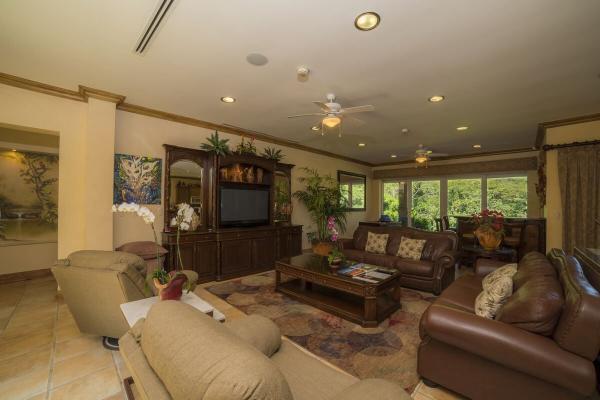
[
  {"x": 489, "y": 228},
  {"x": 324, "y": 201}
]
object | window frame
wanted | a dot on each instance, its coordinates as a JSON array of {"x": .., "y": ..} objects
[{"x": 354, "y": 174}]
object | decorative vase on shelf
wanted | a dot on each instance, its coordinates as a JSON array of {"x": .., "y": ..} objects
[
  {"x": 490, "y": 241},
  {"x": 259, "y": 175},
  {"x": 322, "y": 248}
]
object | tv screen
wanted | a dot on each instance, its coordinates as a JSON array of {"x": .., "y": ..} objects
[{"x": 244, "y": 206}]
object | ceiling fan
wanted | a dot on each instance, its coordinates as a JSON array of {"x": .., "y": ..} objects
[
  {"x": 333, "y": 113},
  {"x": 423, "y": 155}
]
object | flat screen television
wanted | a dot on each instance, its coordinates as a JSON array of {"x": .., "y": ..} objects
[{"x": 244, "y": 206}]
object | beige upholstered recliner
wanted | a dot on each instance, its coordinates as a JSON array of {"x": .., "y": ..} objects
[
  {"x": 95, "y": 283},
  {"x": 178, "y": 352}
]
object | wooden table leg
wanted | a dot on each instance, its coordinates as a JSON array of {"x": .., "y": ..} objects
[
  {"x": 397, "y": 292},
  {"x": 370, "y": 309}
]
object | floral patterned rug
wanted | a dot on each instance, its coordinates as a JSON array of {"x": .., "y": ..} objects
[{"x": 388, "y": 351}]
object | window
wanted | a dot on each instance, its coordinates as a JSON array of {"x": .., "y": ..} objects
[
  {"x": 425, "y": 204},
  {"x": 464, "y": 197},
  {"x": 394, "y": 201},
  {"x": 353, "y": 188},
  {"x": 508, "y": 195},
  {"x": 426, "y": 200}
]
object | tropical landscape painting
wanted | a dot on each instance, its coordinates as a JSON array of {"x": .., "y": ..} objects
[
  {"x": 137, "y": 179},
  {"x": 28, "y": 197}
]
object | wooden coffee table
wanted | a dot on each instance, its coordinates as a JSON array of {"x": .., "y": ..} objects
[{"x": 315, "y": 283}]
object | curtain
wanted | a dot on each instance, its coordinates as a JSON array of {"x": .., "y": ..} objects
[{"x": 579, "y": 175}]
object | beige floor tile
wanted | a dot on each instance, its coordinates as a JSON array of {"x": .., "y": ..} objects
[
  {"x": 15, "y": 347},
  {"x": 97, "y": 385},
  {"x": 73, "y": 347},
  {"x": 12, "y": 331},
  {"x": 122, "y": 368},
  {"x": 25, "y": 386},
  {"x": 118, "y": 396},
  {"x": 41, "y": 396},
  {"x": 421, "y": 396},
  {"x": 67, "y": 332},
  {"x": 22, "y": 364},
  {"x": 79, "y": 366}
]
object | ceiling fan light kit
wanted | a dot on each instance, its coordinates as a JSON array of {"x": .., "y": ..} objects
[{"x": 331, "y": 121}]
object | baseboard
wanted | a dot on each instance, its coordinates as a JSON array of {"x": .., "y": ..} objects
[{"x": 25, "y": 275}]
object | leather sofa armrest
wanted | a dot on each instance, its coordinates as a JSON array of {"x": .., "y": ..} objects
[
  {"x": 448, "y": 259},
  {"x": 379, "y": 389},
  {"x": 346, "y": 243},
  {"x": 509, "y": 346},
  {"x": 484, "y": 266},
  {"x": 260, "y": 332}
]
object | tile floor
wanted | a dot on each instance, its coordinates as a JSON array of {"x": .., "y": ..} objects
[{"x": 43, "y": 356}]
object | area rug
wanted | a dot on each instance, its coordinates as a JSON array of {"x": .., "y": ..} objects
[{"x": 388, "y": 351}]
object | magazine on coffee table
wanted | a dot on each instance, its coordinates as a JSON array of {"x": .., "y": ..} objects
[{"x": 366, "y": 272}]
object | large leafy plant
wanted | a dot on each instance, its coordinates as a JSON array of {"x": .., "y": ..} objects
[
  {"x": 216, "y": 145},
  {"x": 323, "y": 199}
]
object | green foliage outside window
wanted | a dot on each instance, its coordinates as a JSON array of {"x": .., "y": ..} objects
[
  {"x": 508, "y": 195},
  {"x": 464, "y": 197},
  {"x": 425, "y": 204}
]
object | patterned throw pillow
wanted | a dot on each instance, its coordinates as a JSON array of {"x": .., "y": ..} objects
[
  {"x": 410, "y": 248},
  {"x": 506, "y": 270},
  {"x": 376, "y": 243},
  {"x": 489, "y": 301}
]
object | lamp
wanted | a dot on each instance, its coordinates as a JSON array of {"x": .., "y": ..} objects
[
  {"x": 421, "y": 159},
  {"x": 331, "y": 121}
]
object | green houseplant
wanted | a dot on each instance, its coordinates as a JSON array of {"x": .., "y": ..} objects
[
  {"x": 246, "y": 147},
  {"x": 216, "y": 145},
  {"x": 271, "y": 153},
  {"x": 324, "y": 201}
]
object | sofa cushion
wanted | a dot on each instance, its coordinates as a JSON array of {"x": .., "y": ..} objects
[
  {"x": 104, "y": 259},
  {"x": 489, "y": 301},
  {"x": 376, "y": 243},
  {"x": 197, "y": 357},
  {"x": 147, "y": 250},
  {"x": 532, "y": 264},
  {"x": 462, "y": 293},
  {"x": 381, "y": 260},
  {"x": 422, "y": 268},
  {"x": 535, "y": 306},
  {"x": 507, "y": 270},
  {"x": 410, "y": 248},
  {"x": 259, "y": 331}
]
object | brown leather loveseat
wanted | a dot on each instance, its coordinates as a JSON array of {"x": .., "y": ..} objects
[
  {"x": 541, "y": 344},
  {"x": 433, "y": 272}
]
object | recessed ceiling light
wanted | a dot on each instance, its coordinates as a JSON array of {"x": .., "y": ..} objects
[
  {"x": 257, "y": 59},
  {"x": 476, "y": 146},
  {"x": 316, "y": 128},
  {"x": 436, "y": 99},
  {"x": 228, "y": 99},
  {"x": 14, "y": 149},
  {"x": 361, "y": 144},
  {"x": 393, "y": 156},
  {"x": 367, "y": 21},
  {"x": 405, "y": 131},
  {"x": 462, "y": 128}
]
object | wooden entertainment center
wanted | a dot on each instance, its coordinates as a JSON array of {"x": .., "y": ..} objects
[{"x": 215, "y": 248}]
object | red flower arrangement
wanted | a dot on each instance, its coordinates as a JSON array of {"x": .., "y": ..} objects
[{"x": 489, "y": 226}]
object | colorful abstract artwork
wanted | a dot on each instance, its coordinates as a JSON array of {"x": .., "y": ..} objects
[
  {"x": 28, "y": 197},
  {"x": 137, "y": 179}
]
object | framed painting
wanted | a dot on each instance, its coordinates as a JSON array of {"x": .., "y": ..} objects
[{"x": 137, "y": 179}]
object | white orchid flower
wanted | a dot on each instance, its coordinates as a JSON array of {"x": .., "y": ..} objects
[{"x": 184, "y": 226}]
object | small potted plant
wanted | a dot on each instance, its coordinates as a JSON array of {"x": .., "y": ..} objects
[
  {"x": 271, "y": 153},
  {"x": 246, "y": 147},
  {"x": 216, "y": 145},
  {"x": 489, "y": 228}
]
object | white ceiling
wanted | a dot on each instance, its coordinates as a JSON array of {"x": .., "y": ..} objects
[{"x": 504, "y": 66}]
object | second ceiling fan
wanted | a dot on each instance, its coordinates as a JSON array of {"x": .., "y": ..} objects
[{"x": 333, "y": 113}]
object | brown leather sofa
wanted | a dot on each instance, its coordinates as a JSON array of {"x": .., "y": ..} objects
[
  {"x": 540, "y": 346},
  {"x": 433, "y": 272}
]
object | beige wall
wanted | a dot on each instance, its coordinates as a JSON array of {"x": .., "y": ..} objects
[
  {"x": 85, "y": 145},
  {"x": 141, "y": 135},
  {"x": 563, "y": 134}
]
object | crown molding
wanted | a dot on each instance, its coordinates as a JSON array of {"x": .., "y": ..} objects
[
  {"x": 87, "y": 92},
  {"x": 542, "y": 127},
  {"x": 39, "y": 87},
  {"x": 462, "y": 156}
]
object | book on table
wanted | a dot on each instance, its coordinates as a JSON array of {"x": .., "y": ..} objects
[{"x": 366, "y": 272}]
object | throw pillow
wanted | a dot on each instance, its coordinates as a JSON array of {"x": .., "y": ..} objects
[
  {"x": 489, "y": 301},
  {"x": 376, "y": 243},
  {"x": 506, "y": 270},
  {"x": 410, "y": 248}
]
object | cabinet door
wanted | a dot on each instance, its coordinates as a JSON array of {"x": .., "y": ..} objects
[
  {"x": 187, "y": 256},
  {"x": 295, "y": 242},
  {"x": 236, "y": 256},
  {"x": 205, "y": 261},
  {"x": 283, "y": 245},
  {"x": 263, "y": 253}
]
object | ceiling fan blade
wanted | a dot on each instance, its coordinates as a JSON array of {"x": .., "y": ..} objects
[
  {"x": 439, "y": 154},
  {"x": 353, "y": 121},
  {"x": 322, "y": 106},
  {"x": 306, "y": 115},
  {"x": 358, "y": 109}
]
